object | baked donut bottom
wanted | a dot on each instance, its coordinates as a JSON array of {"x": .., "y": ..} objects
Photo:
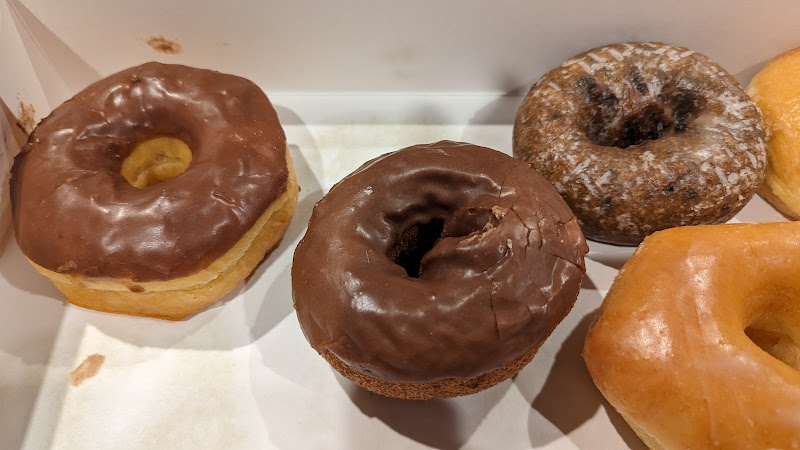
[
  {"x": 448, "y": 387},
  {"x": 181, "y": 297}
]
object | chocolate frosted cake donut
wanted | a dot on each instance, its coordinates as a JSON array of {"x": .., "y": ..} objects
[
  {"x": 643, "y": 136},
  {"x": 436, "y": 271},
  {"x": 154, "y": 191}
]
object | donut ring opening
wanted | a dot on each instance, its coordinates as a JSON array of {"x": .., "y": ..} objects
[
  {"x": 611, "y": 122},
  {"x": 773, "y": 324},
  {"x": 411, "y": 246},
  {"x": 414, "y": 243},
  {"x": 155, "y": 160}
]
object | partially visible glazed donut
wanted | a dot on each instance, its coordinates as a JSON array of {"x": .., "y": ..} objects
[
  {"x": 696, "y": 342},
  {"x": 154, "y": 191},
  {"x": 640, "y": 137},
  {"x": 776, "y": 91},
  {"x": 10, "y": 141},
  {"x": 436, "y": 271}
]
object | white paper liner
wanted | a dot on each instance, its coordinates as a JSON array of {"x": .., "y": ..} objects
[{"x": 240, "y": 374}]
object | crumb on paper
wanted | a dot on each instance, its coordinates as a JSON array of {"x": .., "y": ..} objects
[
  {"x": 162, "y": 45},
  {"x": 88, "y": 368},
  {"x": 26, "y": 120}
]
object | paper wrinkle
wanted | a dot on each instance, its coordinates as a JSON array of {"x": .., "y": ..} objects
[{"x": 61, "y": 71}]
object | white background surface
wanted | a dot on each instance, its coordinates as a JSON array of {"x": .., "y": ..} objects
[{"x": 351, "y": 80}]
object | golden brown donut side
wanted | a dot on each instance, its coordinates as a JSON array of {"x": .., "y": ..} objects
[
  {"x": 179, "y": 298},
  {"x": 776, "y": 92},
  {"x": 669, "y": 349},
  {"x": 446, "y": 387}
]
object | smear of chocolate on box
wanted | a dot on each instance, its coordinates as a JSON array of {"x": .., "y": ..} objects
[
  {"x": 88, "y": 368},
  {"x": 26, "y": 120},
  {"x": 163, "y": 45}
]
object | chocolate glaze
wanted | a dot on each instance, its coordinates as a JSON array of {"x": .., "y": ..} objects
[
  {"x": 504, "y": 272},
  {"x": 75, "y": 213}
]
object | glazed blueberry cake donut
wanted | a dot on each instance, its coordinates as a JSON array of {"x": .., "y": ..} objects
[{"x": 639, "y": 137}]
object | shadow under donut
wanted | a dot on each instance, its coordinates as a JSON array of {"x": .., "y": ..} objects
[
  {"x": 622, "y": 427},
  {"x": 744, "y": 76},
  {"x": 277, "y": 302},
  {"x": 502, "y": 110},
  {"x": 443, "y": 423},
  {"x": 29, "y": 334},
  {"x": 27, "y": 340},
  {"x": 613, "y": 256},
  {"x": 569, "y": 398},
  {"x": 310, "y": 194}
]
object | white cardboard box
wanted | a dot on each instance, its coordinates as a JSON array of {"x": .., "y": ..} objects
[{"x": 351, "y": 80}]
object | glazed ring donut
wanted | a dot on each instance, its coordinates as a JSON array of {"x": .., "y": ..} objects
[
  {"x": 102, "y": 204},
  {"x": 436, "y": 271},
  {"x": 696, "y": 342},
  {"x": 775, "y": 91},
  {"x": 641, "y": 137}
]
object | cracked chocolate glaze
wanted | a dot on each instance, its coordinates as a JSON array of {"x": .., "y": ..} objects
[
  {"x": 75, "y": 213},
  {"x": 504, "y": 270},
  {"x": 640, "y": 137}
]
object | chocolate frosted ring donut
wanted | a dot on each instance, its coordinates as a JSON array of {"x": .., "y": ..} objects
[
  {"x": 643, "y": 136},
  {"x": 437, "y": 270},
  {"x": 103, "y": 206}
]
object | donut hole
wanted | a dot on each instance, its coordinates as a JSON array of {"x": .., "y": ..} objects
[
  {"x": 414, "y": 243},
  {"x": 417, "y": 240},
  {"x": 768, "y": 334},
  {"x": 621, "y": 123},
  {"x": 646, "y": 124},
  {"x": 156, "y": 160}
]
